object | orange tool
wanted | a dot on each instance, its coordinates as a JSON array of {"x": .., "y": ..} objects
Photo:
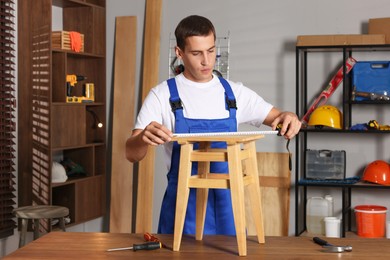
[{"x": 151, "y": 238}]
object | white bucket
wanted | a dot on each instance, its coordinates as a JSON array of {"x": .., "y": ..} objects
[{"x": 332, "y": 226}]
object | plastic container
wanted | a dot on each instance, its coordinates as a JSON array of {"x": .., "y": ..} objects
[
  {"x": 331, "y": 205},
  {"x": 317, "y": 209},
  {"x": 332, "y": 226},
  {"x": 372, "y": 77},
  {"x": 325, "y": 164},
  {"x": 371, "y": 220}
]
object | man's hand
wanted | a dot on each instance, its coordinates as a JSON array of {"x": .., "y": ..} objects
[
  {"x": 156, "y": 134},
  {"x": 153, "y": 134},
  {"x": 289, "y": 122}
]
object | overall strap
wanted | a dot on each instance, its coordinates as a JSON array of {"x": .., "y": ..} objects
[
  {"x": 174, "y": 98},
  {"x": 231, "y": 103}
]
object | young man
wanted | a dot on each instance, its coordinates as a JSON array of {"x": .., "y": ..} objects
[{"x": 198, "y": 101}]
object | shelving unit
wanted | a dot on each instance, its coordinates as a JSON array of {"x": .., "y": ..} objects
[
  {"x": 51, "y": 129},
  {"x": 303, "y": 140}
]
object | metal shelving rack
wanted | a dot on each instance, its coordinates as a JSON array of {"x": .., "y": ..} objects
[{"x": 345, "y": 51}]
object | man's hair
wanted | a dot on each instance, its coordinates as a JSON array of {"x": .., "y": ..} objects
[{"x": 193, "y": 25}]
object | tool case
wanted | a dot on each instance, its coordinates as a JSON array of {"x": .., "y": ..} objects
[
  {"x": 325, "y": 164},
  {"x": 371, "y": 77}
]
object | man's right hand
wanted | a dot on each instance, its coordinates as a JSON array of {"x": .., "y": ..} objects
[{"x": 155, "y": 134}]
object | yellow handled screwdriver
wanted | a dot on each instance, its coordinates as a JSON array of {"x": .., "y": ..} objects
[{"x": 135, "y": 247}]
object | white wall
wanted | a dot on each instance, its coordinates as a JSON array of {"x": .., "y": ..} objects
[{"x": 262, "y": 48}]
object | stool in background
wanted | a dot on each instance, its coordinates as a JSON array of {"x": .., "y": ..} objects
[
  {"x": 36, "y": 213},
  {"x": 236, "y": 180}
]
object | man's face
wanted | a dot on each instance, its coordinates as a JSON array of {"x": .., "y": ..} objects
[{"x": 198, "y": 57}]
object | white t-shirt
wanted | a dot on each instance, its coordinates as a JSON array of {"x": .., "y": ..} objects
[{"x": 201, "y": 101}]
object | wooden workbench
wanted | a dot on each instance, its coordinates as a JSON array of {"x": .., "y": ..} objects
[{"x": 68, "y": 245}]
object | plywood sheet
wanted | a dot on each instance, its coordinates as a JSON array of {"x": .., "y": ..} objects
[{"x": 274, "y": 176}]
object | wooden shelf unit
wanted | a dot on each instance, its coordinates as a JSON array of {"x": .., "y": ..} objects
[{"x": 50, "y": 128}]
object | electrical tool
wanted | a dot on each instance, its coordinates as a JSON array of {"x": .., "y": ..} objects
[
  {"x": 71, "y": 81},
  {"x": 330, "y": 88},
  {"x": 136, "y": 247},
  {"x": 331, "y": 248}
]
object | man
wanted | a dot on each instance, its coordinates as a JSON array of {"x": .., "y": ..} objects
[{"x": 198, "y": 101}]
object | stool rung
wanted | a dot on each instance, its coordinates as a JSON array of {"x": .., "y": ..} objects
[
  {"x": 215, "y": 156},
  {"x": 197, "y": 182},
  {"x": 208, "y": 156}
]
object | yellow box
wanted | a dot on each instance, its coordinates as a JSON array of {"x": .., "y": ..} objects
[
  {"x": 340, "y": 39},
  {"x": 61, "y": 40}
]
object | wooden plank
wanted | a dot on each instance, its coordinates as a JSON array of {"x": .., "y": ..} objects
[
  {"x": 274, "y": 177},
  {"x": 123, "y": 123},
  {"x": 151, "y": 58}
]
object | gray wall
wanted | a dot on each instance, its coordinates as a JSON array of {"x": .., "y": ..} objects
[
  {"x": 263, "y": 35},
  {"x": 262, "y": 56}
]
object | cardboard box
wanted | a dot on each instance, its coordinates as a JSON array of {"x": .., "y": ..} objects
[
  {"x": 340, "y": 39},
  {"x": 380, "y": 26}
]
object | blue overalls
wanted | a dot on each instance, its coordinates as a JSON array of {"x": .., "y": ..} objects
[{"x": 219, "y": 213}]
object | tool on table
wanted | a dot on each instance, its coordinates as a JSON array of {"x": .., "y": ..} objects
[
  {"x": 151, "y": 238},
  {"x": 330, "y": 88},
  {"x": 331, "y": 248},
  {"x": 136, "y": 247},
  {"x": 71, "y": 81}
]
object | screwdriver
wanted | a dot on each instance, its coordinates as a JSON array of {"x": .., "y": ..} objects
[
  {"x": 150, "y": 237},
  {"x": 135, "y": 247}
]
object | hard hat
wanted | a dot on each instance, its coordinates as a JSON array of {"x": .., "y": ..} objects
[
  {"x": 58, "y": 173},
  {"x": 326, "y": 116},
  {"x": 377, "y": 172}
]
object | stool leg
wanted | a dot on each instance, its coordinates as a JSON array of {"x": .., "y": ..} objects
[
  {"x": 23, "y": 232},
  {"x": 182, "y": 193},
  {"x": 201, "y": 200},
  {"x": 62, "y": 223},
  {"x": 237, "y": 192},
  {"x": 36, "y": 228},
  {"x": 254, "y": 191},
  {"x": 202, "y": 194}
]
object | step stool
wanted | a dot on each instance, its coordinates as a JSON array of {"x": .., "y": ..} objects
[
  {"x": 239, "y": 149},
  {"x": 36, "y": 213}
]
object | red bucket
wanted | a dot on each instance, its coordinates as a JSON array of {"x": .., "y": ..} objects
[{"x": 370, "y": 220}]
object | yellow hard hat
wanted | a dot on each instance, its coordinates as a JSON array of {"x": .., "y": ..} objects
[{"x": 326, "y": 116}]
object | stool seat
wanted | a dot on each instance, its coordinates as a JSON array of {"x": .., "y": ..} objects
[
  {"x": 41, "y": 211},
  {"x": 36, "y": 213},
  {"x": 240, "y": 150}
]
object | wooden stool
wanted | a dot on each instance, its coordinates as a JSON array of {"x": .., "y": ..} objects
[
  {"x": 235, "y": 180},
  {"x": 36, "y": 213}
]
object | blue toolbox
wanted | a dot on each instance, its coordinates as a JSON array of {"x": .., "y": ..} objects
[{"x": 371, "y": 80}]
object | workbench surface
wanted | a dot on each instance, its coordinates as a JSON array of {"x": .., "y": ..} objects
[{"x": 73, "y": 245}]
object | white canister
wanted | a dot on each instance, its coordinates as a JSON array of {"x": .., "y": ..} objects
[
  {"x": 331, "y": 205},
  {"x": 316, "y": 210}
]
